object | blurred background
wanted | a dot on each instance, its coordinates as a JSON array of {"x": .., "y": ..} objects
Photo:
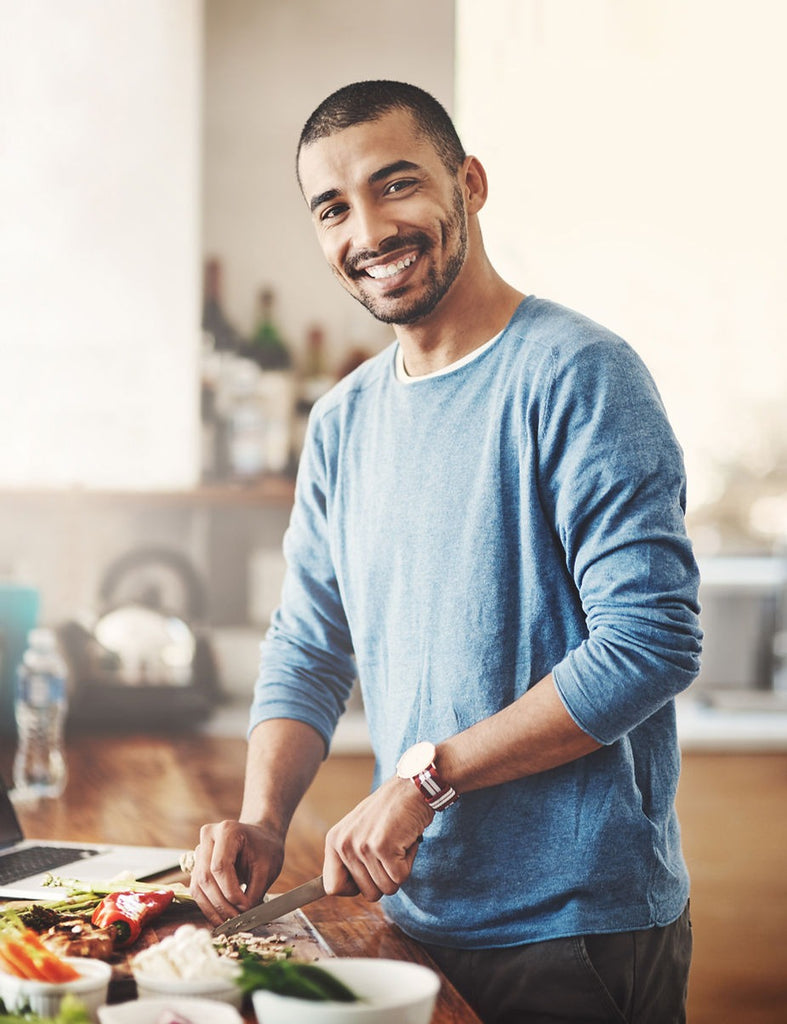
[{"x": 166, "y": 319}]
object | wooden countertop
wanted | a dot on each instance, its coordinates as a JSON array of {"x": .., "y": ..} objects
[{"x": 157, "y": 791}]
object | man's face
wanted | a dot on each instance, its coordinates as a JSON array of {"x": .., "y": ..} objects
[{"x": 389, "y": 216}]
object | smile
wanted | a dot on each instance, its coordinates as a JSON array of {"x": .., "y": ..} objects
[{"x": 383, "y": 270}]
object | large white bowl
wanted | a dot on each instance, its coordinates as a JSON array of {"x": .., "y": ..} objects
[
  {"x": 149, "y": 1011},
  {"x": 152, "y": 986},
  {"x": 392, "y": 992},
  {"x": 44, "y": 998}
]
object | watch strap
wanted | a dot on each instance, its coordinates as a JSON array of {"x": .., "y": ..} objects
[{"x": 437, "y": 793}]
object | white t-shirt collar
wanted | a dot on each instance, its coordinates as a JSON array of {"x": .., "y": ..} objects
[{"x": 405, "y": 378}]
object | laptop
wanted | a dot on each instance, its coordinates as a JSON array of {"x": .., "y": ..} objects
[{"x": 25, "y": 863}]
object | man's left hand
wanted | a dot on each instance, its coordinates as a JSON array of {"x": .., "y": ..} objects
[{"x": 372, "y": 849}]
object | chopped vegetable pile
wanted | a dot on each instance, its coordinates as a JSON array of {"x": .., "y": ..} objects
[{"x": 23, "y": 955}]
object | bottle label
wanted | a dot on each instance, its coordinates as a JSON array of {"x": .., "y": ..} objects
[{"x": 39, "y": 690}]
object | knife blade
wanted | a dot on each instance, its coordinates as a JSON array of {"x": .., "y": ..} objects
[{"x": 273, "y": 908}]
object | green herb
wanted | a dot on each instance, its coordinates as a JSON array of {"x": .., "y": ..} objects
[
  {"x": 294, "y": 978},
  {"x": 72, "y": 1011}
]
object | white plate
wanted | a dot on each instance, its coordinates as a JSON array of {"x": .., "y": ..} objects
[{"x": 149, "y": 1011}]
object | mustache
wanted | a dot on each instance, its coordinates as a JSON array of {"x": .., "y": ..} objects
[{"x": 415, "y": 240}]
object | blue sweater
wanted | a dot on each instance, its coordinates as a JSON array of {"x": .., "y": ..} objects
[{"x": 455, "y": 539}]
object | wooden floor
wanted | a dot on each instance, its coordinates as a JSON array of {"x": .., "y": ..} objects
[{"x": 733, "y": 811}]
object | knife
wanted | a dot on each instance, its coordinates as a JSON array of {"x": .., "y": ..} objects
[{"x": 273, "y": 908}]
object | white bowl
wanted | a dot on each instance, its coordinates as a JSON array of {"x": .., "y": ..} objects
[
  {"x": 44, "y": 998},
  {"x": 149, "y": 1011},
  {"x": 392, "y": 992},
  {"x": 152, "y": 986}
]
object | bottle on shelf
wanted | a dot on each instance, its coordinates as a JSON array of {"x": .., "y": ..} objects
[
  {"x": 267, "y": 347},
  {"x": 40, "y": 706},
  {"x": 267, "y": 411},
  {"x": 221, "y": 347},
  {"x": 221, "y": 333},
  {"x": 247, "y": 422}
]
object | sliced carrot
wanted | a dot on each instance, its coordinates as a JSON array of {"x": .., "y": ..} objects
[
  {"x": 51, "y": 966},
  {"x": 27, "y": 957},
  {"x": 53, "y": 973},
  {"x": 8, "y": 964},
  {"x": 16, "y": 954},
  {"x": 57, "y": 970}
]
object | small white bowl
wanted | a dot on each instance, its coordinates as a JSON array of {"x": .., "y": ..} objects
[
  {"x": 152, "y": 986},
  {"x": 44, "y": 998},
  {"x": 392, "y": 992},
  {"x": 149, "y": 1011}
]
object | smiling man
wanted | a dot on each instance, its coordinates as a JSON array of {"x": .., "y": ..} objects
[{"x": 489, "y": 530}]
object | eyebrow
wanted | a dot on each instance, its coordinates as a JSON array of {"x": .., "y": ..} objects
[
  {"x": 374, "y": 177},
  {"x": 394, "y": 168},
  {"x": 323, "y": 197}
]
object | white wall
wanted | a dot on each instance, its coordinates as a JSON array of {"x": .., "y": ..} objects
[
  {"x": 637, "y": 160},
  {"x": 99, "y": 261},
  {"x": 268, "y": 63}
]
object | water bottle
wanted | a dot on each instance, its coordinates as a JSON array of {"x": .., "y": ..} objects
[{"x": 40, "y": 707}]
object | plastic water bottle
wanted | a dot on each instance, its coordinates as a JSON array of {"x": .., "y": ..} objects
[{"x": 40, "y": 708}]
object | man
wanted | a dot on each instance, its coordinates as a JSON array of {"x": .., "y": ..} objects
[{"x": 488, "y": 528}]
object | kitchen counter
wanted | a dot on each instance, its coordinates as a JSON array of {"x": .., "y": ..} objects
[{"x": 159, "y": 791}]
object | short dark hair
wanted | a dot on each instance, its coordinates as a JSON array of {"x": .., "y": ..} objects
[{"x": 362, "y": 102}]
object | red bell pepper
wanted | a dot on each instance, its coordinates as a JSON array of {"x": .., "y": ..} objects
[{"x": 126, "y": 912}]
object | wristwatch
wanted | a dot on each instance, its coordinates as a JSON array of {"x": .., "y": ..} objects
[{"x": 417, "y": 764}]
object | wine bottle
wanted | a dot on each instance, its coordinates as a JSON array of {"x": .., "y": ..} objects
[
  {"x": 268, "y": 348},
  {"x": 224, "y": 337}
]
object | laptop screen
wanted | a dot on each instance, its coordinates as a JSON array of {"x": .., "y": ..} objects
[{"x": 10, "y": 830}]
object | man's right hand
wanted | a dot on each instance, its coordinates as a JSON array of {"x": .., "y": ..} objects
[{"x": 234, "y": 865}]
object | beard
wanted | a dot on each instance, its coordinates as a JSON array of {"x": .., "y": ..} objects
[{"x": 438, "y": 282}]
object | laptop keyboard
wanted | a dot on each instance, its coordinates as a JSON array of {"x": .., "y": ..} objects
[{"x": 35, "y": 859}]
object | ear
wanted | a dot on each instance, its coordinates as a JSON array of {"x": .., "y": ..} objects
[{"x": 472, "y": 181}]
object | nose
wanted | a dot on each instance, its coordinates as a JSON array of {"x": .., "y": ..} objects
[{"x": 371, "y": 226}]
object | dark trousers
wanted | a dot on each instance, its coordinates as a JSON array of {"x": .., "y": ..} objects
[{"x": 637, "y": 977}]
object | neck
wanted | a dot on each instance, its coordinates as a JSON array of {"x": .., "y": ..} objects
[{"x": 467, "y": 317}]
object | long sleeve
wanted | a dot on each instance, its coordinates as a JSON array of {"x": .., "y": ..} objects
[
  {"x": 307, "y": 667},
  {"x": 612, "y": 475}
]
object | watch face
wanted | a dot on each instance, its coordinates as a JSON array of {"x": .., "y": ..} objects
[{"x": 415, "y": 760}]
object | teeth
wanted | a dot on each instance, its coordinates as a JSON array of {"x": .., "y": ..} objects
[{"x": 389, "y": 269}]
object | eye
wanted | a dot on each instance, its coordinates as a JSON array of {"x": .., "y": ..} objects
[
  {"x": 332, "y": 212},
  {"x": 400, "y": 185}
]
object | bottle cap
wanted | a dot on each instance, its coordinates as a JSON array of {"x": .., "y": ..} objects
[{"x": 42, "y": 638}]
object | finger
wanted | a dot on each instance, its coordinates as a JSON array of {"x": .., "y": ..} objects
[
  {"x": 205, "y": 901},
  {"x": 339, "y": 880},
  {"x": 225, "y": 878},
  {"x": 217, "y": 897}
]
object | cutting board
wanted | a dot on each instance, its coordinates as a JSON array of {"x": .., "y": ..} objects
[{"x": 295, "y": 930}]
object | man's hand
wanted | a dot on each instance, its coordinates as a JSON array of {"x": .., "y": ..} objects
[
  {"x": 372, "y": 849},
  {"x": 231, "y": 854}
]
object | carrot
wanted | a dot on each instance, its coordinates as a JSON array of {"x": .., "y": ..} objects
[
  {"x": 49, "y": 964},
  {"x": 55, "y": 970},
  {"x": 28, "y": 957},
  {"x": 7, "y": 964},
  {"x": 24, "y": 967}
]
